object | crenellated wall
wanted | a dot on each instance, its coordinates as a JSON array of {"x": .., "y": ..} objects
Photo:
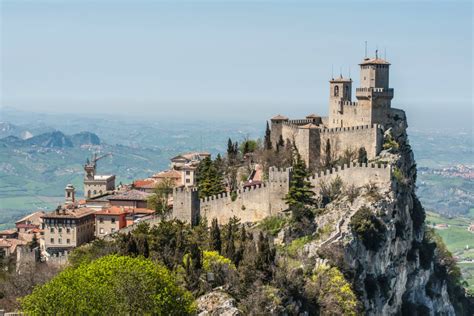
[
  {"x": 254, "y": 203},
  {"x": 342, "y": 138},
  {"x": 355, "y": 174}
]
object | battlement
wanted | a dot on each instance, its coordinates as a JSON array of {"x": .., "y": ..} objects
[
  {"x": 300, "y": 121},
  {"x": 349, "y": 166},
  {"x": 184, "y": 189},
  {"x": 348, "y": 103},
  {"x": 381, "y": 92},
  {"x": 355, "y": 174},
  {"x": 349, "y": 129},
  {"x": 290, "y": 124}
]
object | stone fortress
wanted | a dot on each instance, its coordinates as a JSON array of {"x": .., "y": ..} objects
[{"x": 349, "y": 126}]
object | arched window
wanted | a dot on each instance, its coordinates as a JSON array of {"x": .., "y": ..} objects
[
  {"x": 336, "y": 91},
  {"x": 95, "y": 192},
  {"x": 346, "y": 91},
  {"x": 89, "y": 193}
]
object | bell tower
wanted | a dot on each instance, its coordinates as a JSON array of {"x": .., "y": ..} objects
[{"x": 340, "y": 91}]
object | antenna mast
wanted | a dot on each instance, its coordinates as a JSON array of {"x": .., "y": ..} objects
[{"x": 365, "y": 49}]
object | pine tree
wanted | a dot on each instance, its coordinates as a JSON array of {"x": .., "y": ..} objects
[
  {"x": 215, "y": 236},
  {"x": 299, "y": 193},
  {"x": 267, "y": 140},
  {"x": 210, "y": 178}
]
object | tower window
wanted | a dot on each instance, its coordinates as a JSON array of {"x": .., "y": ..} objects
[{"x": 336, "y": 91}]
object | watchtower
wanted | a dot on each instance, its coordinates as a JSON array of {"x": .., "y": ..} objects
[{"x": 374, "y": 92}]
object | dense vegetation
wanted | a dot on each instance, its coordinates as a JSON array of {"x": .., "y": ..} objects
[{"x": 112, "y": 285}]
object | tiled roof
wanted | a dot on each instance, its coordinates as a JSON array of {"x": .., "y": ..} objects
[
  {"x": 145, "y": 183},
  {"x": 70, "y": 213},
  {"x": 279, "y": 118},
  {"x": 131, "y": 195},
  {"x": 113, "y": 210},
  {"x": 309, "y": 116},
  {"x": 168, "y": 174},
  {"x": 8, "y": 232},
  {"x": 33, "y": 217},
  {"x": 374, "y": 61},
  {"x": 11, "y": 243}
]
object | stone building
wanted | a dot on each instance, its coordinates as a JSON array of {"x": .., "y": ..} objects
[
  {"x": 67, "y": 227},
  {"x": 110, "y": 220},
  {"x": 94, "y": 184},
  {"x": 350, "y": 125}
]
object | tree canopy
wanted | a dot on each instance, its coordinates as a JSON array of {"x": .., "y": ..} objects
[{"x": 111, "y": 285}]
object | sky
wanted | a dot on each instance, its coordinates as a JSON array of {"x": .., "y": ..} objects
[{"x": 232, "y": 60}]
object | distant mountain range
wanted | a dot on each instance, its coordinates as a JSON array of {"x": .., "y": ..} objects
[{"x": 55, "y": 139}]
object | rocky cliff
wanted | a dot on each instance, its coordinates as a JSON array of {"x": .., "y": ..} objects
[{"x": 395, "y": 266}]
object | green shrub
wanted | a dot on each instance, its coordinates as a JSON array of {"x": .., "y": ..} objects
[
  {"x": 368, "y": 228},
  {"x": 272, "y": 224},
  {"x": 332, "y": 292},
  {"x": 298, "y": 244},
  {"x": 111, "y": 285},
  {"x": 390, "y": 143}
]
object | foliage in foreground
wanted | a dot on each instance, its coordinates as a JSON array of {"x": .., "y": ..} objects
[{"x": 111, "y": 285}]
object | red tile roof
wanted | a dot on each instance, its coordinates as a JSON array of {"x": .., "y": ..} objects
[
  {"x": 145, "y": 183},
  {"x": 113, "y": 210}
]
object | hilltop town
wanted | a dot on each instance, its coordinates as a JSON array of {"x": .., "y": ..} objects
[{"x": 355, "y": 168}]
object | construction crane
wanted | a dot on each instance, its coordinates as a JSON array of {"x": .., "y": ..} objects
[{"x": 95, "y": 158}]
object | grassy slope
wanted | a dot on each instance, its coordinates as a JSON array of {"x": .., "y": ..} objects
[{"x": 458, "y": 240}]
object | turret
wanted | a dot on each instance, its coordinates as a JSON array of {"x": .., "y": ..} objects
[{"x": 374, "y": 79}]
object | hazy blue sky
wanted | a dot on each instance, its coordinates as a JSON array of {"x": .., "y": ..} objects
[{"x": 224, "y": 59}]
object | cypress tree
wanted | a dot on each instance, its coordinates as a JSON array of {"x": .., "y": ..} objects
[
  {"x": 280, "y": 144},
  {"x": 146, "y": 248},
  {"x": 362, "y": 156},
  {"x": 229, "y": 250},
  {"x": 327, "y": 158},
  {"x": 132, "y": 248},
  {"x": 267, "y": 140},
  {"x": 34, "y": 242},
  {"x": 215, "y": 236}
]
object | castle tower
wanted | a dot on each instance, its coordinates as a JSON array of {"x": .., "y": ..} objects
[
  {"x": 70, "y": 194},
  {"x": 340, "y": 91},
  {"x": 374, "y": 91},
  {"x": 276, "y": 128}
]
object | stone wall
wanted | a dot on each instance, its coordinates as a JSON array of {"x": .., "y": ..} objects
[
  {"x": 369, "y": 137},
  {"x": 355, "y": 174},
  {"x": 254, "y": 203},
  {"x": 186, "y": 204}
]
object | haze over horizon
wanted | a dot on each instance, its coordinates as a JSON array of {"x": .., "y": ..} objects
[{"x": 232, "y": 60}]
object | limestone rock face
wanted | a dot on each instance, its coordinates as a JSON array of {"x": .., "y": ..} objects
[
  {"x": 217, "y": 303},
  {"x": 392, "y": 278}
]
